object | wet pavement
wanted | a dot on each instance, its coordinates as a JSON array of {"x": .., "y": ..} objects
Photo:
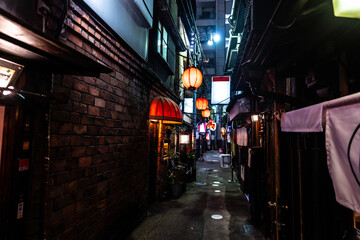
[{"x": 212, "y": 208}]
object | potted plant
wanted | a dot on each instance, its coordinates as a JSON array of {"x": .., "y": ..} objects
[
  {"x": 177, "y": 181},
  {"x": 173, "y": 159}
]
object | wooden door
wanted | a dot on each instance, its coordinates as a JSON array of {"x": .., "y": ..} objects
[{"x": 279, "y": 170}]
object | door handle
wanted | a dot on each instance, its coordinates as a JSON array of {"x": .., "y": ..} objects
[{"x": 274, "y": 204}]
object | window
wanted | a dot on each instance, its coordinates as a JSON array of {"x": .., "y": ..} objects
[
  {"x": 206, "y": 10},
  {"x": 211, "y": 63},
  {"x": 162, "y": 41},
  {"x": 205, "y": 33},
  {"x": 118, "y": 14}
]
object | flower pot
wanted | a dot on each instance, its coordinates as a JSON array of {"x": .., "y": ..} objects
[{"x": 176, "y": 189}]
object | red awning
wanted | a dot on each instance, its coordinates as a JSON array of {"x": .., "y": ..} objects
[{"x": 166, "y": 110}]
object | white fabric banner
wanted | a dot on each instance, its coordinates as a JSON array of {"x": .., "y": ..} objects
[
  {"x": 308, "y": 119},
  {"x": 241, "y": 137},
  {"x": 343, "y": 153},
  {"x": 312, "y": 118}
]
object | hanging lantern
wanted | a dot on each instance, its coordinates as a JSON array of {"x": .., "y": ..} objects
[
  {"x": 254, "y": 118},
  {"x": 211, "y": 126},
  {"x": 206, "y": 113},
  {"x": 192, "y": 78},
  {"x": 223, "y": 130},
  {"x": 201, "y": 103}
]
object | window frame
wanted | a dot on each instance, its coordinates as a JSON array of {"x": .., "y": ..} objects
[{"x": 162, "y": 41}]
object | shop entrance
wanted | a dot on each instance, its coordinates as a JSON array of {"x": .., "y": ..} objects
[{"x": 24, "y": 157}]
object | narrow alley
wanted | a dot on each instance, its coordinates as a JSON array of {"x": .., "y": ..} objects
[
  {"x": 213, "y": 207},
  {"x": 179, "y": 119}
]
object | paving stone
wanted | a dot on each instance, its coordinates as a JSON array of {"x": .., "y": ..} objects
[{"x": 189, "y": 217}]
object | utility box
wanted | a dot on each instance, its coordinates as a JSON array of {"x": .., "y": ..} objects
[{"x": 225, "y": 160}]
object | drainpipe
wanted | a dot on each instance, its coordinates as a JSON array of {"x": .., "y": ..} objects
[
  {"x": 46, "y": 165},
  {"x": 277, "y": 174}
]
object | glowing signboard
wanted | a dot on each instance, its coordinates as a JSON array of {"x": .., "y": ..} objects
[{"x": 220, "y": 90}]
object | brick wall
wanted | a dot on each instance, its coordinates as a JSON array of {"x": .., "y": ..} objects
[{"x": 100, "y": 143}]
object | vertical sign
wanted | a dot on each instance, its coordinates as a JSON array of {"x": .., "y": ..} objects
[
  {"x": 188, "y": 102},
  {"x": 220, "y": 90}
]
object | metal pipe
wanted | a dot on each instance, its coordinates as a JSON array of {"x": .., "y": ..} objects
[
  {"x": 46, "y": 166},
  {"x": 277, "y": 171},
  {"x": 300, "y": 188}
]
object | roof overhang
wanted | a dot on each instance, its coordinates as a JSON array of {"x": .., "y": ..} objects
[{"x": 30, "y": 47}]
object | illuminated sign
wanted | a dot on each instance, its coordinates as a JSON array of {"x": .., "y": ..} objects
[
  {"x": 220, "y": 90},
  {"x": 9, "y": 71},
  {"x": 184, "y": 139},
  {"x": 202, "y": 127},
  {"x": 346, "y": 8},
  {"x": 189, "y": 103}
]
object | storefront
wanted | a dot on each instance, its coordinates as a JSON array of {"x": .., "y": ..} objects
[{"x": 29, "y": 57}]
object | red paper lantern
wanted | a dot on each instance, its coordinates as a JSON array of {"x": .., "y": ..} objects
[
  {"x": 201, "y": 103},
  {"x": 206, "y": 113},
  {"x": 192, "y": 78},
  {"x": 211, "y": 126},
  {"x": 223, "y": 130}
]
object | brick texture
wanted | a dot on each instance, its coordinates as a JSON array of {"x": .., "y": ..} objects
[{"x": 100, "y": 144}]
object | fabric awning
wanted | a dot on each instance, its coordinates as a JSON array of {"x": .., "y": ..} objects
[
  {"x": 313, "y": 118},
  {"x": 166, "y": 110},
  {"x": 30, "y": 47},
  {"x": 341, "y": 119},
  {"x": 307, "y": 119}
]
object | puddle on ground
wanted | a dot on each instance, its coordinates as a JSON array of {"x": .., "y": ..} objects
[{"x": 249, "y": 229}]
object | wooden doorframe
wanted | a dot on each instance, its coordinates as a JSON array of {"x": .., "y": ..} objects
[{"x": 12, "y": 119}]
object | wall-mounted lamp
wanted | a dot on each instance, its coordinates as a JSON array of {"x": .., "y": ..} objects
[
  {"x": 346, "y": 8},
  {"x": 7, "y": 92},
  {"x": 9, "y": 72},
  {"x": 254, "y": 118}
]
